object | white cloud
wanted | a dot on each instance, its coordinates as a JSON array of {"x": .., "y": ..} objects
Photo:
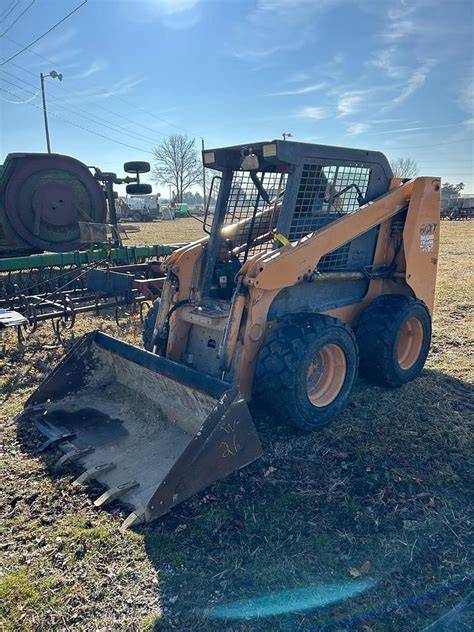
[
  {"x": 95, "y": 67},
  {"x": 399, "y": 23},
  {"x": 174, "y": 14},
  {"x": 357, "y": 128},
  {"x": 276, "y": 25},
  {"x": 124, "y": 86},
  {"x": 417, "y": 129},
  {"x": 466, "y": 97},
  {"x": 385, "y": 60},
  {"x": 61, "y": 38},
  {"x": 60, "y": 48},
  {"x": 299, "y": 77},
  {"x": 121, "y": 87},
  {"x": 312, "y": 113},
  {"x": 174, "y": 6},
  {"x": 398, "y": 29},
  {"x": 415, "y": 81},
  {"x": 402, "y": 11},
  {"x": 385, "y": 120},
  {"x": 303, "y": 90},
  {"x": 404, "y": 79},
  {"x": 350, "y": 101}
]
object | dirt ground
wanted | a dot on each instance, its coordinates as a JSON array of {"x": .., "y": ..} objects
[{"x": 367, "y": 525}]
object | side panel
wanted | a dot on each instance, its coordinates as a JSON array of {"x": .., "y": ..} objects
[
  {"x": 317, "y": 297},
  {"x": 421, "y": 240}
]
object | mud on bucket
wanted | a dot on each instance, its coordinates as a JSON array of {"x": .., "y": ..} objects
[{"x": 152, "y": 431}]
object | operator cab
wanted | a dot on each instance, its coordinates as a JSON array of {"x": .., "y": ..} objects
[{"x": 269, "y": 193}]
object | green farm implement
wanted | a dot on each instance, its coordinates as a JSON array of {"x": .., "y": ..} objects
[{"x": 61, "y": 250}]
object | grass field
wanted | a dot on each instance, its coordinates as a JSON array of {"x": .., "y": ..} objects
[{"x": 379, "y": 504}]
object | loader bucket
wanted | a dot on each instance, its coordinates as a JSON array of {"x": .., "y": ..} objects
[{"x": 152, "y": 431}]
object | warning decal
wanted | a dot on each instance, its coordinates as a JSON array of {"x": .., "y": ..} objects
[{"x": 427, "y": 236}]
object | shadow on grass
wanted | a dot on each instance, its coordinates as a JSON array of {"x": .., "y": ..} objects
[
  {"x": 327, "y": 525},
  {"x": 381, "y": 497}
]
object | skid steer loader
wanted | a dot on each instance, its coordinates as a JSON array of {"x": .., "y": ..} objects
[{"x": 317, "y": 262}]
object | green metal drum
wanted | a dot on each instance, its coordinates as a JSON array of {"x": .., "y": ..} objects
[{"x": 42, "y": 199}]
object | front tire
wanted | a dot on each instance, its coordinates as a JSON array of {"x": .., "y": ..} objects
[
  {"x": 394, "y": 337},
  {"x": 306, "y": 370}
]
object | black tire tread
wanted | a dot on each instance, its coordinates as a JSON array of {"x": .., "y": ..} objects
[
  {"x": 138, "y": 189},
  {"x": 279, "y": 358},
  {"x": 375, "y": 331},
  {"x": 134, "y": 166}
]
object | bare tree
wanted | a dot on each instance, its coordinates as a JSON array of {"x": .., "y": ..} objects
[
  {"x": 404, "y": 167},
  {"x": 451, "y": 190},
  {"x": 177, "y": 164}
]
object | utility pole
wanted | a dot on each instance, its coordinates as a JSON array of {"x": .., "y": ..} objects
[
  {"x": 287, "y": 135},
  {"x": 203, "y": 176},
  {"x": 54, "y": 75},
  {"x": 46, "y": 129}
]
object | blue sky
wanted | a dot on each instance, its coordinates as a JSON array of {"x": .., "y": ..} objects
[{"x": 390, "y": 75}]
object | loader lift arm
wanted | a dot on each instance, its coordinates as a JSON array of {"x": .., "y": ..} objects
[{"x": 290, "y": 264}]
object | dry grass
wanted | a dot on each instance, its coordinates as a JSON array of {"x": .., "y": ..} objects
[
  {"x": 385, "y": 492},
  {"x": 166, "y": 232}
]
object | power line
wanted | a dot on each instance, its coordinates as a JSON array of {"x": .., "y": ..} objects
[
  {"x": 7, "y": 8},
  {"x": 10, "y": 9},
  {"x": 33, "y": 52},
  {"x": 128, "y": 103},
  {"x": 113, "y": 140},
  {"x": 45, "y": 33},
  {"x": 77, "y": 112},
  {"x": 21, "y": 102},
  {"x": 18, "y": 17},
  {"x": 107, "y": 110},
  {"x": 183, "y": 129},
  {"x": 135, "y": 107},
  {"x": 117, "y": 98}
]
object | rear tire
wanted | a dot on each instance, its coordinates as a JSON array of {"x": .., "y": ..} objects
[
  {"x": 137, "y": 216},
  {"x": 149, "y": 325},
  {"x": 394, "y": 336},
  {"x": 306, "y": 370},
  {"x": 136, "y": 166},
  {"x": 138, "y": 189}
]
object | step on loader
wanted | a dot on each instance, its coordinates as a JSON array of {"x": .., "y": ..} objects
[{"x": 316, "y": 264}]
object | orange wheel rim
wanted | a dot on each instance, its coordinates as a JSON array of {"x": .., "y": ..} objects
[
  {"x": 410, "y": 342},
  {"x": 326, "y": 375}
]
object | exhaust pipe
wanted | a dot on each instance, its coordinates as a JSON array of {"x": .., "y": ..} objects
[{"x": 152, "y": 431}]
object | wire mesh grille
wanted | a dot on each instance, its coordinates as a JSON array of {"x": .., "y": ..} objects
[
  {"x": 256, "y": 219},
  {"x": 325, "y": 194},
  {"x": 335, "y": 260}
]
